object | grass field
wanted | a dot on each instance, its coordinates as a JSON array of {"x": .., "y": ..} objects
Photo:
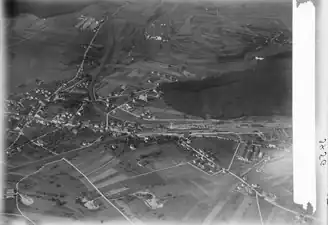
[
  {"x": 54, "y": 190},
  {"x": 189, "y": 195}
]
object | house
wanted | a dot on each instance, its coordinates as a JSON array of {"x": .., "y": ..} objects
[
  {"x": 91, "y": 205},
  {"x": 143, "y": 97},
  {"x": 10, "y": 193}
]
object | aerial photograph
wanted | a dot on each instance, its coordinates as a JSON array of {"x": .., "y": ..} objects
[{"x": 149, "y": 112}]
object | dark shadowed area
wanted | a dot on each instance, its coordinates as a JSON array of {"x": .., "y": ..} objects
[{"x": 263, "y": 91}]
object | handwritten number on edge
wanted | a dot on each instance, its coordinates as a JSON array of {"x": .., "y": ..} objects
[{"x": 323, "y": 162}]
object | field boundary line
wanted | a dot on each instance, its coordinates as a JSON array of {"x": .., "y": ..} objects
[
  {"x": 272, "y": 202},
  {"x": 99, "y": 192},
  {"x": 159, "y": 170},
  {"x": 259, "y": 208},
  {"x": 235, "y": 153},
  {"x": 233, "y": 157}
]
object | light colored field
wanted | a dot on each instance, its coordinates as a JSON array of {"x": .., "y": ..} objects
[
  {"x": 196, "y": 196},
  {"x": 190, "y": 187}
]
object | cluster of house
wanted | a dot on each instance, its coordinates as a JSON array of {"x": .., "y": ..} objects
[
  {"x": 149, "y": 199},
  {"x": 254, "y": 189},
  {"x": 147, "y": 115},
  {"x": 203, "y": 159},
  {"x": 162, "y": 38},
  {"x": 63, "y": 118},
  {"x": 250, "y": 152},
  {"x": 11, "y": 193},
  {"x": 37, "y": 94},
  {"x": 85, "y": 202}
]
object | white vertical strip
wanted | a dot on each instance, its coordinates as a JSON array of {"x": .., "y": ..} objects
[
  {"x": 322, "y": 107},
  {"x": 304, "y": 157},
  {"x": 2, "y": 95}
]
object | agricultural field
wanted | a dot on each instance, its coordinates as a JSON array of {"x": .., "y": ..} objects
[{"x": 55, "y": 190}]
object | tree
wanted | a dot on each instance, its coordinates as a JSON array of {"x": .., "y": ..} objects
[{"x": 309, "y": 209}]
